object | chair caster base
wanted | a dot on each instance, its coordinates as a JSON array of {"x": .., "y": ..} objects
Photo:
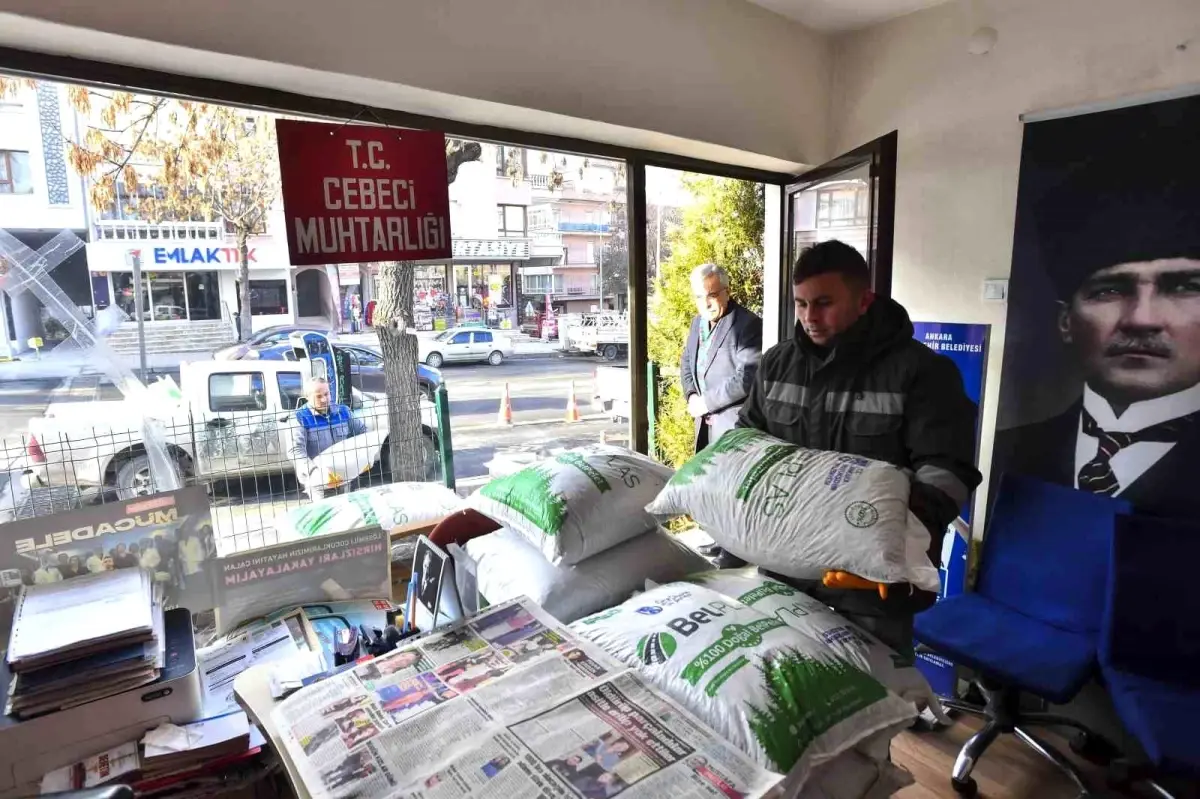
[
  {"x": 968, "y": 787},
  {"x": 1093, "y": 748}
]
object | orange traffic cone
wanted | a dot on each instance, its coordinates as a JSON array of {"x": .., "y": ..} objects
[
  {"x": 505, "y": 416},
  {"x": 573, "y": 414}
]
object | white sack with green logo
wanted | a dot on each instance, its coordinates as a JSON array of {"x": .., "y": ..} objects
[
  {"x": 508, "y": 566},
  {"x": 781, "y": 696},
  {"x": 578, "y": 504},
  {"x": 814, "y": 618},
  {"x": 801, "y": 512},
  {"x": 386, "y": 506}
]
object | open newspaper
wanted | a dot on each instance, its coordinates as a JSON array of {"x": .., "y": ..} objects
[{"x": 507, "y": 704}]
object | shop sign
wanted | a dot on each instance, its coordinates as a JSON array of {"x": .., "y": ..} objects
[
  {"x": 358, "y": 193},
  {"x": 193, "y": 255}
]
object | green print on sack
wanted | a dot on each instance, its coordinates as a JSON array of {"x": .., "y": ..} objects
[
  {"x": 580, "y": 463},
  {"x": 364, "y": 508},
  {"x": 791, "y": 720},
  {"x": 771, "y": 456},
  {"x": 736, "y": 440},
  {"x": 724, "y": 674},
  {"x": 313, "y": 520},
  {"x": 733, "y": 638},
  {"x": 766, "y": 590},
  {"x": 528, "y": 493}
]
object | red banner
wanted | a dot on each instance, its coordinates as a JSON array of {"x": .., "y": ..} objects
[{"x": 357, "y": 193}]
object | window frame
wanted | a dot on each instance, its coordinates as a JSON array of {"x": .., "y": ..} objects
[
  {"x": 262, "y": 383},
  {"x": 8, "y": 173},
  {"x": 283, "y": 395},
  {"x": 287, "y": 297},
  {"x": 502, "y": 228}
]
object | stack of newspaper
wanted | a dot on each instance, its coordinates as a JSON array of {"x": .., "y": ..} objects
[
  {"x": 509, "y": 704},
  {"x": 84, "y": 639}
]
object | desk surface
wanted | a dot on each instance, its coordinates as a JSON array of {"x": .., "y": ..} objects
[{"x": 253, "y": 691}]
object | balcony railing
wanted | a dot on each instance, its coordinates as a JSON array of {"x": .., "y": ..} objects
[
  {"x": 127, "y": 229},
  {"x": 539, "y": 181},
  {"x": 582, "y": 227}
]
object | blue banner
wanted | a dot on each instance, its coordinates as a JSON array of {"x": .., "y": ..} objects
[{"x": 967, "y": 346}]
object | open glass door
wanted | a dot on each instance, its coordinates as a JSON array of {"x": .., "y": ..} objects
[{"x": 851, "y": 198}]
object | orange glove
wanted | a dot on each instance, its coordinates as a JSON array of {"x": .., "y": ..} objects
[{"x": 834, "y": 579}]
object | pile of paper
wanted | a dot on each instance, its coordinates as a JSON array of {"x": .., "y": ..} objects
[
  {"x": 169, "y": 748},
  {"x": 84, "y": 639}
]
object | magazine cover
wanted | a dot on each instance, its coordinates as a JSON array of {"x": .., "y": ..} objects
[
  {"x": 342, "y": 567},
  {"x": 170, "y": 534}
]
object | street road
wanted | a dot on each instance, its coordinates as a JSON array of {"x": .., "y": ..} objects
[{"x": 538, "y": 386}]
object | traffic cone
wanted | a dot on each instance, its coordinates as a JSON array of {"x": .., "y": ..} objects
[
  {"x": 573, "y": 414},
  {"x": 505, "y": 415}
]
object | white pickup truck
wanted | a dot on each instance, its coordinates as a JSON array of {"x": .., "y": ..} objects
[{"x": 231, "y": 420}]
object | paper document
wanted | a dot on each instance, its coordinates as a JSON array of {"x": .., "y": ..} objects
[
  {"x": 72, "y": 615},
  {"x": 508, "y": 704}
]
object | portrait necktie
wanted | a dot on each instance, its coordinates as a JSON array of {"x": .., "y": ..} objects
[{"x": 1097, "y": 474}]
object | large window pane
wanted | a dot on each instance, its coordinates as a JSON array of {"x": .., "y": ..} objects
[{"x": 693, "y": 219}]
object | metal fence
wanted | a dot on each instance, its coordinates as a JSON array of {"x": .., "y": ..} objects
[{"x": 244, "y": 456}]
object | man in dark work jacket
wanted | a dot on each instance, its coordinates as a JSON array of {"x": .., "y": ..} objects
[{"x": 854, "y": 380}]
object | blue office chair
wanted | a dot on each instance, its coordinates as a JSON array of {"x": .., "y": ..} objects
[
  {"x": 1150, "y": 645},
  {"x": 1032, "y": 625}
]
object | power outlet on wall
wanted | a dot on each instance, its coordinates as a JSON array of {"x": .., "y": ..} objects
[{"x": 995, "y": 289}]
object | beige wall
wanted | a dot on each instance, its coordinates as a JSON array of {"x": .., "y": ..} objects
[
  {"x": 960, "y": 133},
  {"x": 717, "y": 71}
]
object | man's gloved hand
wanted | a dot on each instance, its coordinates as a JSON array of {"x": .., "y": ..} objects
[
  {"x": 836, "y": 579},
  {"x": 697, "y": 407}
]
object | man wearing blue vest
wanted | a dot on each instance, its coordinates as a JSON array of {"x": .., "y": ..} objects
[{"x": 321, "y": 424}]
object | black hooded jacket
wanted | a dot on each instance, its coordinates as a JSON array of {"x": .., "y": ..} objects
[{"x": 880, "y": 394}]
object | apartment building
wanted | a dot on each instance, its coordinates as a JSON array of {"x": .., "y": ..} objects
[{"x": 39, "y": 197}]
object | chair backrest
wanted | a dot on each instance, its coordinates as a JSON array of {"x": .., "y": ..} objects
[
  {"x": 1152, "y": 614},
  {"x": 1046, "y": 552}
]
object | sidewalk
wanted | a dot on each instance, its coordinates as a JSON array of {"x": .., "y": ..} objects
[{"x": 63, "y": 362}]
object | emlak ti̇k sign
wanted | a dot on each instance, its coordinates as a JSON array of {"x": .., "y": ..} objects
[{"x": 359, "y": 193}]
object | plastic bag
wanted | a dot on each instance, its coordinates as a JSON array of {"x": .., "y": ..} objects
[
  {"x": 779, "y": 695},
  {"x": 578, "y": 504}
]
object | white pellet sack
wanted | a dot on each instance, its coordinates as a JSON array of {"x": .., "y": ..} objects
[
  {"x": 778, "y": 694},
  {"x": 814, "y": 618},
  {"x": 801, "y": 512},
  {"x": 508, "y": 566},
  {"x": 577, "y": 504},
  {"x": 345, "y": 460},
  {"x": 386, "y": 506}
]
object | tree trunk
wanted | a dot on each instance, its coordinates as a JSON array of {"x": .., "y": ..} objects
[
  {"x": 392, "y": 319},
  {"x": 244, "y": 330}
]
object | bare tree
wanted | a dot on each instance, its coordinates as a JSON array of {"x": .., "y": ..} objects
[
  {"x": 393, "y": 319},
  {"x": 173, "y": 160}
]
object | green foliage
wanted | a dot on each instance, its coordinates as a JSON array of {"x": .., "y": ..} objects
[
  {"x": 529, "y": 493},
  {"x": 806, "y": 697},
  {"x": 723, "y": 226}
]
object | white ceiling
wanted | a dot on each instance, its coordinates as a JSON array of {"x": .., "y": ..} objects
[{"x": 830, "y": 16}]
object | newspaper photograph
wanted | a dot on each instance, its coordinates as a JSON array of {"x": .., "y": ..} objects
[
  {"x": 169, "y": 534},
  {"x": 507, "y": 704}
]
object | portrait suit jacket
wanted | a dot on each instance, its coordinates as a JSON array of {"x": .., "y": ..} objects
[
  {"x": 1046, "y": 450},
  {"x": 728, "y": 371}
]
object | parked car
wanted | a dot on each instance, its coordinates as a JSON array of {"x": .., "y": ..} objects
[
  {"x": 464, "y": 344},
  {"x": 267, "y": 337},
  {"x": 366, "y": 368}
]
